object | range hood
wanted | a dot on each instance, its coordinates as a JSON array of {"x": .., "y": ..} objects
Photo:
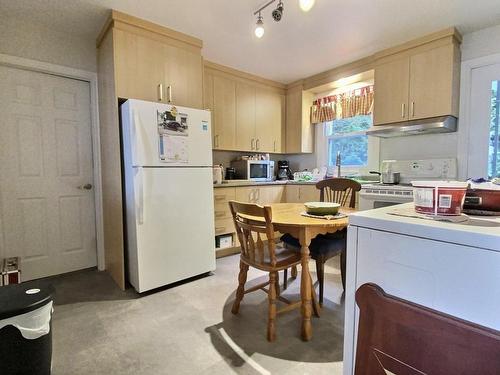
[{"x": 443, "y": 124}]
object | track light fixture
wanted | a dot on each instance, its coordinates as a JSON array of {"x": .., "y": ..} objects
[
  {"x": 306, "y": 5},
  {"x": 259, "y": 28},
  {"x": 277, "y": 13}
]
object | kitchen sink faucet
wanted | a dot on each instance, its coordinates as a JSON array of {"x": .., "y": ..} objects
[{"x": 338, "y": 163}]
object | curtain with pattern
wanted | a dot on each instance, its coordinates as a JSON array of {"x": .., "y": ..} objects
[{"x": 349, "y": 104}]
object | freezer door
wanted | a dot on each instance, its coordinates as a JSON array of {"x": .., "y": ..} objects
[
  {"x": 172, "y": 226},
  {"x": 157, "y": 135}
]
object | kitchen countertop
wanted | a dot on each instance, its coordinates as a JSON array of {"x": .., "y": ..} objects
[
  {"x": 235, "y": 183},
  {"x": 479, "y": 231}
]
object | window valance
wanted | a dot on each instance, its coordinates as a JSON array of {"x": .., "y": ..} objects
[{"x": 349, "y": 104}]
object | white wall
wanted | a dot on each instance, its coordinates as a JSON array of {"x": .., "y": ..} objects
[
  {"x": 481, "y": 43},
  {"x": 38, "y": 42}
]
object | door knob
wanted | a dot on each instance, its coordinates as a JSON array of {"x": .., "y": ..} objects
[{"x": 85, "y": 187}]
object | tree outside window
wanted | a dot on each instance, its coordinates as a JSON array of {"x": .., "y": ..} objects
[
  {"x": 494, "y": 143},
  {"x": 348, "y": 136}
]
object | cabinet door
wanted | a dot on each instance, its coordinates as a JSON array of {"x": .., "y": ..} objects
[
  {"x": 183, "y": 77},
  {"x": 271, "y": 194},
  {"x": 139, "y": 66},
  {"x": 224, "y": 114},
  {"x": 208, "y": 99},
  {"x": 292, "y": 194},
  {"x": 248, "y": 194},
  {"x": 391, "y": 92},
  {"x": 309, "y": 193},
  {"x": 245, "y": 117},
  {"x": 299, "y": 130},
  {"x": 293, "y": 121},
  {"x": 431, "y": 83},
  {"x": 269, "y": 120}
]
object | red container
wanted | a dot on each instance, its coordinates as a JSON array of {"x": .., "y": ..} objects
[{"x": 439, "y": 197}]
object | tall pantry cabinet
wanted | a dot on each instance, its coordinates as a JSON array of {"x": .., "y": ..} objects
[{"x": 137, "y": 59}]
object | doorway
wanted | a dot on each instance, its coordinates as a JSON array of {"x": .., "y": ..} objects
[
  {"x": 484, "y": 125},
  {"x": 47, "y": 202}
]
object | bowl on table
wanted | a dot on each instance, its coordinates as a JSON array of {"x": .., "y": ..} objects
[{"x": 322, "y": 208}]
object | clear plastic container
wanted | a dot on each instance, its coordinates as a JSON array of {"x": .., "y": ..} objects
[{"x": 439, "y": 197}]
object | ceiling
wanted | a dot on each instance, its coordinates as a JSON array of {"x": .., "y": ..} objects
[{"x": 334, "y": 32}]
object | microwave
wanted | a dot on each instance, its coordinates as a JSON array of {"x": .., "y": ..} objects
[{"x": 256, "y": 170}]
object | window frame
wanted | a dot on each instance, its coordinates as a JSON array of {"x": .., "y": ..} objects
[{"x": 373, "y": 152}]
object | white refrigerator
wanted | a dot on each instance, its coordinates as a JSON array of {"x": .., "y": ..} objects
[{"x": 167, "y": 160}]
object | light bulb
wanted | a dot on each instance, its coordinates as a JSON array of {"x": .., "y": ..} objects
[
  {"x": 259, "y": 29},
  {"x": 306, "y": 5}
]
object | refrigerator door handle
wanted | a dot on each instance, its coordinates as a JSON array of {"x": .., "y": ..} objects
[{"x": 140, "y": 196}]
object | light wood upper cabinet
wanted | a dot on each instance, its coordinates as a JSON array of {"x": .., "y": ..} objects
[
  {"x": 418, "y": 82},
  {"x": 269, "y": 120},
  {"x": 155, "y": 63},
  {"x": 224, "y": 113},
  {"x": 391, "y": 91},
  {"x": 245, "y": 117},
  {"x": 139, "y": 66},
  {"x": 299, "y": 130},
  {"x": 250, "y": 116},
  {"x": 208, "y": 100},
  {"x": 434, "y": 78},
  {"x": 183, "y": 77}
]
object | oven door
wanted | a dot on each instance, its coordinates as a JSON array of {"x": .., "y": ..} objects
[
  {"x": 370, "y": 201},
  {"x": 258, "y": 170}
]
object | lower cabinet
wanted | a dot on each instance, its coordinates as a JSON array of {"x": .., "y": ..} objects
[
  {"x": 261, "y": 194},
  {"x": 301, "y": 193},
  {"x": 251, "y": 194}
]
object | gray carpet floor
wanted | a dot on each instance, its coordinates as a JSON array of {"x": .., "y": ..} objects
[{"x": 189, "y": 328}]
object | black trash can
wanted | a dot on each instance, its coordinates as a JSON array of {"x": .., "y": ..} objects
[{"x": 25, "y": 329}]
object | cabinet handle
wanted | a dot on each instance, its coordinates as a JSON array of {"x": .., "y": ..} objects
[
  {"x": 220, "y": 214},
  {"x": 216, "y": 140},
  {"x": 252, "y": 144},
  {"x": 257, "y": 144},
  {"x": 403, "y": 110},
  {"x": 274, "y": 146},
  {"x": 160, "y": 92},
  {"x": 412, "y": 109},
  {"x": 169, "y": 94},
  {"x": 220, "y": 198}
]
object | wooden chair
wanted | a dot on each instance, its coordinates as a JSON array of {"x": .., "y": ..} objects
[
  {"x": 259, "y": 250},
  {"x": 399, "y": 337},
  {"x": 322, "y": 248}
]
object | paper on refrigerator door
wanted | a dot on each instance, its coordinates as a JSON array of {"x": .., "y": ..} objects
[
  {"x": 173, "y": 132},
  {"x": 173, "y": 149}
]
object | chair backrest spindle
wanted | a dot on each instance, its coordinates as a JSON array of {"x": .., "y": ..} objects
[
  {"x": 256, "y": 236},
  {"x": 339, "y": 190}
]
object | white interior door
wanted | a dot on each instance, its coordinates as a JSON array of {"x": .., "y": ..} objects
[
  {"x": 483, "y": 142},
  {"x": 47, "y": 217}
]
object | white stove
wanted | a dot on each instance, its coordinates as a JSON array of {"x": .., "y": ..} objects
[{"x": 382, "y": 195}]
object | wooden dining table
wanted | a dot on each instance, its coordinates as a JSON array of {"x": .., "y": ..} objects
[{"x": 288, "y": 218}]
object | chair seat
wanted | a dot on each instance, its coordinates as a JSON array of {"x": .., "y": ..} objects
[
  {"x": 285, "y": 257},
  {"x": 325, "y": 246}
]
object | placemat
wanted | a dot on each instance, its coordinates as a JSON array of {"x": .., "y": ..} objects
[{"x": 325, "y": 217}]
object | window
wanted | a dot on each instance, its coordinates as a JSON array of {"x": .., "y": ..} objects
[
  {"x": 494, "y": 139},
  {"x": 348, "y": 136}
]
